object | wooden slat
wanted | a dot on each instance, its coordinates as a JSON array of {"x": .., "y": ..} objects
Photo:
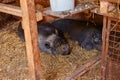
[
  {"x": 29, "y": 24},
  {"x": 112, "y": 15},
  {"x": 15, "y": 10},
  {"x": 39, "y": 16},
  {"x": 104, "y": 7},
  {"x": 105, "y": 19},
  {"x": 104, "y": 54},
  {"x": 85, "y": 1},
  {"x": 82, "y": 70},
  {"x": 63, "y": 14},
  {"x": 113, "y": 1}
]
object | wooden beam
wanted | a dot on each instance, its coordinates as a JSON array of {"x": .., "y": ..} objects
[
  {"x": 86, "y": 1},
  {"x": 85, "y": 68},
  {"x": 39, "y": 16},
  {"x": 15, "y": 10},
  {"x": 105, "y": 19},
  {"x": 48, "y": 11},
  {"x": 112, "y": 1},
  {"x": 29, "y": 24},
  {"x": 9, "y": 9},
  {"x": 104, "y": 7}
]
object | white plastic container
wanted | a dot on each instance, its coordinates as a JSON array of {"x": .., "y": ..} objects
[{"x": 62, "y": 5}]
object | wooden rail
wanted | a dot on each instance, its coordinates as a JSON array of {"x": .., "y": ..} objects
[
  {"x": 112, "y": 1},
  {"x": 15, "y": 10},
  {"x": 9, "y": 9},
  {"x": 63, "y": 14},
  {"x": 85, "y": 68}
]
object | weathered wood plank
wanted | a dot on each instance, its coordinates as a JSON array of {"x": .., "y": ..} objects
[
  {"x": 39, "y": 16},
  {"x": 104, "y": 7},
  {"x": 82, "y": 70},
  {"x": 15, "y": 10},
  {"x": 113, "y": 1},
  {"x": 63, "y": 14},
  {"x": 29, "y": 24},
  {"x": 105, "y": 19}
]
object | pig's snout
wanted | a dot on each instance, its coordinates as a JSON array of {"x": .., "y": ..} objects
[{"x": 65, "y": 49}]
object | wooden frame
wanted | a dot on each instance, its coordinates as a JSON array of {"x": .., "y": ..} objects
[
  {"x": 29, "y": 23},
  {"x": 14, "y": 10},
  {"x": 113, "y": 1},
  {"x": 49, "y": 16},
  {"x": 104, "y": 5}
]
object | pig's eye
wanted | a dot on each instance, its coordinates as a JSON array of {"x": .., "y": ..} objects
[{"x": 47, "y": 45}]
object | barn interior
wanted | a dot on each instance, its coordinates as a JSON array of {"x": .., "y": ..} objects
[{"x": 13, "y": 58}]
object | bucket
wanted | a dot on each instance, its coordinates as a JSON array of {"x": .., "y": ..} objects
[{"x": 61, "y": 5}]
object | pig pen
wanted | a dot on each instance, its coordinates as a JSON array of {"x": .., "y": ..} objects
[{"x": 13, "y": 59}]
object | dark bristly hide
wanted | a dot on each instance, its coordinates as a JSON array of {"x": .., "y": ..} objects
[
  {"x": 86, "y": 33},
  {"x": 50, "y": 39}
]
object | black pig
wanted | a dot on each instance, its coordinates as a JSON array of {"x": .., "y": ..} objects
[
  {"x": 50, "y": 39},
  {"x": 86, "y": 33}
]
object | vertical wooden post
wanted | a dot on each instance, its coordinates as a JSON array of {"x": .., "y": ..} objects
[
  {"x": 103, "y": 68},
  {"x": 29, "y": 24},
  {"x": 104, "y": 6}
]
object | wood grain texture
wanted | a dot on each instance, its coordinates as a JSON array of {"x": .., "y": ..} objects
[
  {"x": 15, "y": 10},
  {"x": 9, "y": 9},
  {"x": 112, "y": 1},
  {"x": 104, "y": 5},
  {"x": 29, "y": 24}
]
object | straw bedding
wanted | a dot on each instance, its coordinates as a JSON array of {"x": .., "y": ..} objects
[{"x": 13, "y": 61}]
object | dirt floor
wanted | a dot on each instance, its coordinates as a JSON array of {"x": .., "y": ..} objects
[{"x": 13, "y": 62}]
